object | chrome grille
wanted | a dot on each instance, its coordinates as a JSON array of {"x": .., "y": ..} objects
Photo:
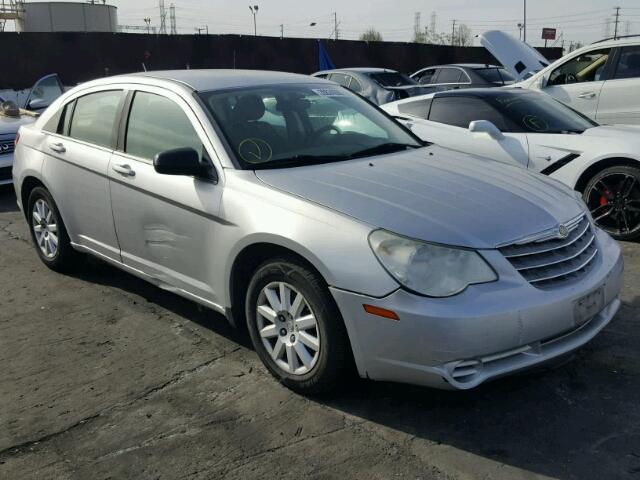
[
  {"x": 552, "y": 263},
  {"x": 7, "y": 146}
]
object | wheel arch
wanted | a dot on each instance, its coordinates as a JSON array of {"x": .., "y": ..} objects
[
  {"x": 247, "y": 260},
  {"x": 601, "y": 165},
  {"x": 26, "y": 187}
]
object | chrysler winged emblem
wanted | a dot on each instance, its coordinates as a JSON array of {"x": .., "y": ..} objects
[{"x": 563, "y": 231}]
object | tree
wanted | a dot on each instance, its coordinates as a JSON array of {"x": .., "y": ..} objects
[{"x": 371, "y": 35}]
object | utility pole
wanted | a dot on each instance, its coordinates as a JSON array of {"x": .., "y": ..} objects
[
  {"x": 199, "y": 30},
  {"x": 453, "y": 33},
  {"x": 524, "y": 23},
  {"x": 615, "y": 29},
  {"x": 335, "y": 22},
  {"x": 282, "y": 30}
]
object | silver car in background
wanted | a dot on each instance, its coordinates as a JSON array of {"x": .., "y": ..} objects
[{"x": 293, "y": 206}]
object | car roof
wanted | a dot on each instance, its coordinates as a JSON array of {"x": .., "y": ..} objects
[
  {"x": 472, "y": 66},
  {"x": 486, "y": 92},
  {"x": 358, "y": 70},
  {"x": 220, "y": 79}
]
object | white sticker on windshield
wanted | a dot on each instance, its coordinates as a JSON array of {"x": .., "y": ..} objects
[{"x": 329, "y": 92}]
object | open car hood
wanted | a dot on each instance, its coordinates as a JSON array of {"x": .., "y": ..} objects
[{"x": 520, "y": 59}]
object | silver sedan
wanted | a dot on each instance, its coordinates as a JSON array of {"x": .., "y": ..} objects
[{"x": 334, "y": 234}]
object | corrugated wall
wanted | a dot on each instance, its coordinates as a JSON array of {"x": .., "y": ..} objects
[{"x": 79, "y": 57}]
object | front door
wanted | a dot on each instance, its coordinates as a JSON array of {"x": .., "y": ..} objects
[{"x": 167, "y": 224}]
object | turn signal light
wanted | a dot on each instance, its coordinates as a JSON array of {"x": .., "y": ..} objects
[
  {"x": 15, "y": 142},
  {"x": 381, "y": 312}
]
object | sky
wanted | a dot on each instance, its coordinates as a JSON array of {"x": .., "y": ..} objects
[{"x": 578, "y": 20}]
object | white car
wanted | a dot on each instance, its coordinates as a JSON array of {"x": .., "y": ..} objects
[
  {"x": 541, "y": 134},
  {"x": 601, "y": 80}
]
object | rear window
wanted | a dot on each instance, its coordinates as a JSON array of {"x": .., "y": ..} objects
[
  {"x": 391, "y": 79},
  {"x": 496, "y": 76},
  {"x": 419, "y": 108}
]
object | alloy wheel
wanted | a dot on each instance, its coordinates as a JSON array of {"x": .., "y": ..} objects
[
  {"x": 45, "y": 228},
  {"x": 288, "y": 328},
  {"x": 614, "y": 202}
]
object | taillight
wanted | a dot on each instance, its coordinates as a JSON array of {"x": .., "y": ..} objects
[{"x": 15, "y": 142}]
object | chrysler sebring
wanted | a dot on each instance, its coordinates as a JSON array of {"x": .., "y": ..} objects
[{"x": 300, "y": 210}]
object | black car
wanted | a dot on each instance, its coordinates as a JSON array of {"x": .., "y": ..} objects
[{"x": 462, "y": 75}]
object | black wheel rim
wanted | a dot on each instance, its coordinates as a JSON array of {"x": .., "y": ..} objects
[{"x": 614, "y": 202}]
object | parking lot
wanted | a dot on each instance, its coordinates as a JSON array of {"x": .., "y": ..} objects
[{"x": 105, "y": 376}]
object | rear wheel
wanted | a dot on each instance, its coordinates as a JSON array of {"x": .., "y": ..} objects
[
  {"x": 48, "y": 232},
  {"x": 296, "y": 327},
  {"x": 613, "y": 197}
]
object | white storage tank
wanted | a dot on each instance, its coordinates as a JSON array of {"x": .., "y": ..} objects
[{"x": 68, "y": 17}]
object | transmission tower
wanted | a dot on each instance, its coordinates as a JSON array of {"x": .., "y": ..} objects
[
  {"x": 416, "y": 25},
  {"x": 172, "y": 19},
  {"x": 434, "y": 19},
  {"x": 163, "y": 18}
]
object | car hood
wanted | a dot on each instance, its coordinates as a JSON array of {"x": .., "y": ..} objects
[
  {"x": 10, "y": 125},
  {"x": 435, "y": 194},
  {"x": 627, "y": 132},
  {"x": 520, "y": 59}
]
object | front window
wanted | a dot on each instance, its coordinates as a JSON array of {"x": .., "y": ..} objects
[
  {"x": 391, "y": 79},
  {"x": 540, "y": 113},
  {"x": 295, "y": 125},
  {"x": 496, "y": 76},
  {"x": 588, "y": 67}
]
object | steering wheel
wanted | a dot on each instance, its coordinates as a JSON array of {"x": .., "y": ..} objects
[
  {"x": 570, "y": 78},
  {"x": 327, "y": 128}
]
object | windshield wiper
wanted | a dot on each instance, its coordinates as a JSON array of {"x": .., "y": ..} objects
[
  {"x": 298, "y": 161},
  {"x": 382, "y": 149}
]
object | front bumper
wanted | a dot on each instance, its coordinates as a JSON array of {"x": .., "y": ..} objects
[
  {"x": 487, "y": 331},
  {"x": 6, "y": 163}
]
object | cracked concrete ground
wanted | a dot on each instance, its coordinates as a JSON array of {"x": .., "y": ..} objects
[{"x": 106, "y": 377}]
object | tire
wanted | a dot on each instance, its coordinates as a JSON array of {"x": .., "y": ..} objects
[
  {"x": 613, "y": 197},
  {"x": 49, "y": 234},
  {"x": 291, "y": 331}
]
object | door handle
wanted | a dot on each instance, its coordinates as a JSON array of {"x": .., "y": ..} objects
[
  {"x": 547, "y": 158},
  {"x": 587, "y": 95},
  {"x": 57, "y": 147},
  {"x": 123, "y": 169}
]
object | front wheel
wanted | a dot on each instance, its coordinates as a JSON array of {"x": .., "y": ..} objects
[
  {"x": 613, "y": 197},
  {"x": 296, "y": 327}
]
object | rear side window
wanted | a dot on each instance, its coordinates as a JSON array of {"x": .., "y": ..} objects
[
  {"x": 340, "y": 78},
  {"x": 419, "y": 108},
  {"x": 461, "y": 111},
  {"x": 449, "y": 75},
  {"x": 629, "y": 63},
  {"x": 355, "y": 85},
  {"x": 59, "y": 122},
  {"x": 157, "y": 124},
  {"x": 496, "y": 76},
  {"x": 53, "y": 124},
  {"x": 94, "y": 118}
]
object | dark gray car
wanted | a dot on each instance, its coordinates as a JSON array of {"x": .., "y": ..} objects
[
  {"x": 378, "y": 85},
  {"x": 462, "y": 75}
]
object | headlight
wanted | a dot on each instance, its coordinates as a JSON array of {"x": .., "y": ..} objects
[{"x": 429, "y": 269}]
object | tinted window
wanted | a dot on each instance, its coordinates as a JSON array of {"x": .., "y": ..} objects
[
  {"x": 496, "y": 76},
  {"x": 157, "y": 124},
  {"x": 629, "y": 63},
  {"x": 391, "y": 79},
  {"x": 419, "y": 108},
  {"x": 540, "y": 113},
  {"x": 588, "y": 67},
  {"x": 449, "y": 75},
  {"x": 94, "y": 118},
  {"x": 355, "y": 85},
  {"x": 426, "y": 77},
  {"x": 340, "y": 78},
  {"x": 53, "y": 123},
  {"x": 461, "y": 111}
]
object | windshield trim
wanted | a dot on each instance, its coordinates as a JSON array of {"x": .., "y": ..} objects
[{"x": 232, "y": 154}]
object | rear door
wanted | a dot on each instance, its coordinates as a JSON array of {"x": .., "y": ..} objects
[
  {"x": 78, "y": 148},
  {"x": 620, "y": 96},
  {"x": 167, "y": 225},
  {"x": 448, "y": 125},
  {"x": 578, "y": 82}
]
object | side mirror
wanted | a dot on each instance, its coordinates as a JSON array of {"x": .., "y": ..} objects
[
  {"x": 37, "y": 104},
  {"x": 485, "y": 126},
  {"x": 182, "y": 161}
]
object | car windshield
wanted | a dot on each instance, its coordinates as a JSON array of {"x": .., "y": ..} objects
[
  {"x": 540, "y": 113},
  {"x": 392, "y": 79},
  {"x": 289, "y": 125},
  {"x": 496, "y": 76}
]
